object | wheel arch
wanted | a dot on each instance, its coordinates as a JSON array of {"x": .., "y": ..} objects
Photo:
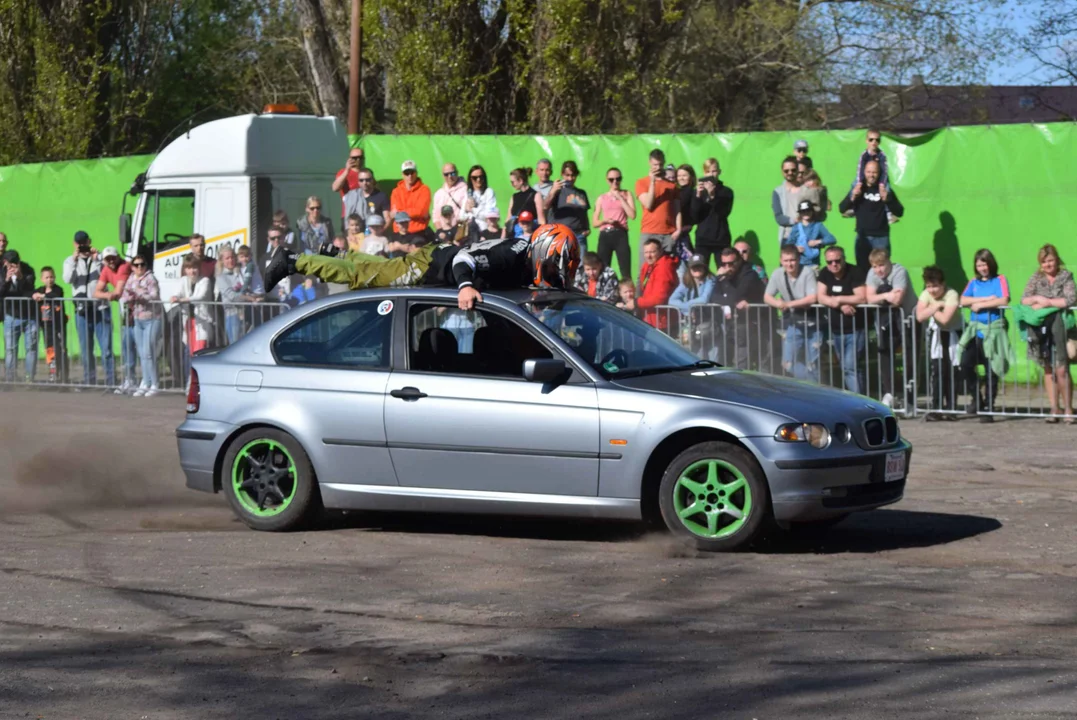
[
  {"x": 663, "y": 454},
  {"x": 218, "y": 463}
]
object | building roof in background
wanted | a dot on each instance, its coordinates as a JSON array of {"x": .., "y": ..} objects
[{"x": 920, "y": 108}]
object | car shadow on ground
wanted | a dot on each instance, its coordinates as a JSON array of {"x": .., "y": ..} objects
[
  {"x": 879, "y": 531},
  {"x": 867, "y": 532}
]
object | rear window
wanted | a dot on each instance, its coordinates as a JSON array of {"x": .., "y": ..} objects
[{"x": 354, "y": 335}]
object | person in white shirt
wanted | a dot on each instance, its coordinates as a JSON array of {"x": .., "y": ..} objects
[{"x": 480, "y": 200}]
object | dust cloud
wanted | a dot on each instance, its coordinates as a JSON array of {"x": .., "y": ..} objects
[{"x": 95, "y": 453}]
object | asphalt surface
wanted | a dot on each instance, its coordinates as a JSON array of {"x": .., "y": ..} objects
[{"x": 126, "y": 596}]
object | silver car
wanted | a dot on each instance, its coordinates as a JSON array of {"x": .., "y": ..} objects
[{"x": 538, "y": 403}]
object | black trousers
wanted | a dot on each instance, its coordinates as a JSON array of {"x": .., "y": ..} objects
[
  {"x": 984, "y": 390},
  {"x": 613, "y": 241}
]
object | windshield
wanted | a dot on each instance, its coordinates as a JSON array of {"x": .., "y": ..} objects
[{"x": 612, "y": 341}]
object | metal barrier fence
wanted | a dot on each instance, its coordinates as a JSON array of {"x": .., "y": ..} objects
[
  {"x": 71, "y": 342},
  {"x": 874, "y": 350},
  {"x": 969, "y": 380},
  {"x": 862, "y": 350}
]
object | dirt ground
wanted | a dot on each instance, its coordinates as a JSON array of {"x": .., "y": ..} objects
[{"x": 124, "y": 595}]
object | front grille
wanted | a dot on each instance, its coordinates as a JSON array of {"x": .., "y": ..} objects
[
  {"x": 891, "y": 430},
  {"x": 861, "y": 495},
  {"x": 874, "y": 432}
]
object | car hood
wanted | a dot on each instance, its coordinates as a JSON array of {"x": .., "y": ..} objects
[{"x": 801, "y": 401}]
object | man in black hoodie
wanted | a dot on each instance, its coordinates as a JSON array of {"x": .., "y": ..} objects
[
  {"x": 20, "y": 315},
  {"x": 738, "y": 286},
  {"x": 870, "y": 202}
]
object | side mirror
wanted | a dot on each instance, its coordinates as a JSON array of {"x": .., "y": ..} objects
[
  {"x": 125, "y": 230},
  {"x": 545, "y": 370}
]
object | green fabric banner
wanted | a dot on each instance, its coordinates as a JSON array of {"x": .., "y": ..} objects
[{"x": 1009, "y": 188}]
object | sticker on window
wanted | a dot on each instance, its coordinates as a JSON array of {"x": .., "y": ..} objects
[{"x": 385, "y": 307}]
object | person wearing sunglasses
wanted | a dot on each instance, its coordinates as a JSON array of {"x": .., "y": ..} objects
[
  {"x": 736, "y": 289},
  {"x": 785, "y": 198},
  {"x": 347, "y": 178},
  {"x": 315, "y": 229},
  {"x": 872, "y": 203},
  {"x": 481, "y": 201},
  {"x": 451, "y": 200},
  {"x": 841, "y": 287},
  {"x": 411, "y": 196},
  {"x": 613, "y": 209},
  {"x": 872, "y": 153},
  {"x": 366, "y": 200},
  {"x": 142, "y": 296}
]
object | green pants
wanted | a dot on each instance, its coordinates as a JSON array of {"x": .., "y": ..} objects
[{"x": 359, "y": 271}]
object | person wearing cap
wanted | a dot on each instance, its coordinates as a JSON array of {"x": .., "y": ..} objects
[
  {"x": 347, "y": 178},
  {"x": 450, "y": 200},
  {"x": 800, "y": 149},
  {"x": 410, "y": 202},
  {"x": 808, "y": 235},
  {"x": 696, "y": 286},
  {"x": 115, "y": 271},
  {"x": 20, "y": 317},
  {"x": 374, "y": 240},
  {"x": 492, "y": 230},
  {"x": 81, "y": 271},
  {"x": 366, "y": 200},
  {"x": 525, "y": 224},
  {"x": 596, "y": 278}
]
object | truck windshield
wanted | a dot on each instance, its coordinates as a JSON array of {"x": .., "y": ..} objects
[{"x": 168, "y": 220}]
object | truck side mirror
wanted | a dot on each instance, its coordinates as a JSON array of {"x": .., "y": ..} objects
[{"x": 125, "y": 230}]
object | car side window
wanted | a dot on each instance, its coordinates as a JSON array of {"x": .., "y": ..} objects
[
  {"x": 443, "y": 338},
  {"x": 353, "y": 335}
]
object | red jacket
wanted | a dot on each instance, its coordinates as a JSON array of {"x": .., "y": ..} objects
[
  {"x": 656, "y": 283},
  {"x": 415, "y": 202}
]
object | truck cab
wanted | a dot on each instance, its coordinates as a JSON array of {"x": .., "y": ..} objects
[{"x": 224, "y": 180}]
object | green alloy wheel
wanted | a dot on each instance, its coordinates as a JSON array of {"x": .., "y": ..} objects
[
  {"x": 269, "y": 480},
  {"x": 713, "y": 496}
]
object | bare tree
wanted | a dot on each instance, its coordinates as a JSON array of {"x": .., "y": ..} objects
[{"x": 323, "y": 57}]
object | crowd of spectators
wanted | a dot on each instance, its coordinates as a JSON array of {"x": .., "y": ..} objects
[{"x": 694, "y": 281}]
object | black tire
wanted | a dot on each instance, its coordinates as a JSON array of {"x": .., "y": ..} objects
[
  {"x": 303, "y": 499},
  {"x": 751, "y": 498}
]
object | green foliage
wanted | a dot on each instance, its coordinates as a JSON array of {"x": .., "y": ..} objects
[{"x": 109, "y": 77}]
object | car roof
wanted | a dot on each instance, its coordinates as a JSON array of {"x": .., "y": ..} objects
[{"x": 251, "y": 348}]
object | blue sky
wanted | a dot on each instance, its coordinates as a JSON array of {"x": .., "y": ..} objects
[{"x": 1018, "y": 71}]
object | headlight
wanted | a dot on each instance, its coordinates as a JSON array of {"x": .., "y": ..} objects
[{"x": 814, "y": 434}]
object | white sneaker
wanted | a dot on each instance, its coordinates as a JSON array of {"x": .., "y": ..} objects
[
  {"x": 125, "y": 388},
  {"x": 150, "y": 392},
  {"x": 139, "y": 392},
  {"x": 888, "y": 400}
]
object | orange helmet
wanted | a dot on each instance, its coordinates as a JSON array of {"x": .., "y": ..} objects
[{"x": 554, "y": 252}]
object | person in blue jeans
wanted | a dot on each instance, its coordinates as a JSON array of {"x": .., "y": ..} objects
[
  {"x": 20, "y": 314},
  {"x": 841, "y": 287},
  {"x": 875, "y": 205},
  {"x": 793, "y": 289}
]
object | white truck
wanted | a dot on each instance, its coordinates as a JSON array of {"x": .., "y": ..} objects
[{"x": 224, "y": 180}]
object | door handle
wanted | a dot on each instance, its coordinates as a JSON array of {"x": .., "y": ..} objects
[{"x": 408, "y": 393}]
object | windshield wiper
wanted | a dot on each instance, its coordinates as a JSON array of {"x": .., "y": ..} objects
[{"x": 659, "y": 370}]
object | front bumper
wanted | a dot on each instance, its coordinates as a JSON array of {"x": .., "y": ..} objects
[
  {"x": 200, "y": 443},
  {"x": 807, "y": 484}
]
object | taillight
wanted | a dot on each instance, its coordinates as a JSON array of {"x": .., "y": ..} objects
[{"x": 194, "y": 392}]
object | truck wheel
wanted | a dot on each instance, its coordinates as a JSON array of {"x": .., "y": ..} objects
[
  {"x": 714, "y": 497},
  {"x": 269, "y": 481}
]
